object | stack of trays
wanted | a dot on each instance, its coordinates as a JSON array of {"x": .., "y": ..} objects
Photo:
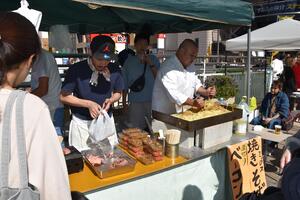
[
  {"x": 139, "y": 145},
  {"x": 154, "y": 148}
]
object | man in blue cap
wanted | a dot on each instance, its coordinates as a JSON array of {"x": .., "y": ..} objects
[{"x": 89, "y": 86}]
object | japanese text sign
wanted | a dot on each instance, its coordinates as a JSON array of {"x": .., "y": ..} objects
[{"x": 246, "y": 167}]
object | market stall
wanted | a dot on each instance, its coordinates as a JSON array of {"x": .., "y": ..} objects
[
  {"x": 196, "y": 173},
  {"x": 116, "y": 16},
  {"x": 280, "y": 36}
]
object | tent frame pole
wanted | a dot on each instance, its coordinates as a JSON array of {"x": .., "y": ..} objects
[{"x": 248, "y": 65}]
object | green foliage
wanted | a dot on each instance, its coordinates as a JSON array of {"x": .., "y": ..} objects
[{"x": 226, "y": 87}]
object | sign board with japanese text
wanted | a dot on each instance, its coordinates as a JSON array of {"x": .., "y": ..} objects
[
  {"x": 277, "y": 8},
  {"x": 246, "y": 167},
  {"x": 117, "y": 38}
]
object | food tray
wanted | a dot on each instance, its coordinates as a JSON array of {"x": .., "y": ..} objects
[
  {"x": 105, "y": 170},
  {"x": 201, "y": 123}
]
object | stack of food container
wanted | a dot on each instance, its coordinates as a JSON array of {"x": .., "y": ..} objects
[{"x": 141, "y": 146}]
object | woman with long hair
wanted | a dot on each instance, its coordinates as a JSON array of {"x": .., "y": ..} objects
[{"x": 19, "y": 44}]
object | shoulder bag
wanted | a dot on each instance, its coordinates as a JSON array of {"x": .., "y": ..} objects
[
  {"x": 139, "y": 83},
  {"x": 287, "y": 123},
  {"x": 25, "y": 190}
]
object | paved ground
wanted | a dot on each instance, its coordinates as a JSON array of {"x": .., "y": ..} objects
[{"x": 272, "y": 162}]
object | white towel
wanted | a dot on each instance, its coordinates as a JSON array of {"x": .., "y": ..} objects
[{"x": 95, "y": 74}]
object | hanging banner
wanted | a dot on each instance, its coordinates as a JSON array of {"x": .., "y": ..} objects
[
  {"x": 117, "y": 38},
  {"x": 277, "y": 8},
  {"x": 246, "y": 167}
]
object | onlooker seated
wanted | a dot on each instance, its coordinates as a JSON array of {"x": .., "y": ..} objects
[{"x": 274, "y": 107}]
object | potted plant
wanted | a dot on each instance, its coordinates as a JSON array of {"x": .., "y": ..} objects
[{"x": 225, "y": 85}]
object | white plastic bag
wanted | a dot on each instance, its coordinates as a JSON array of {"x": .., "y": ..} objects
[{"x": 102, "y": 127}]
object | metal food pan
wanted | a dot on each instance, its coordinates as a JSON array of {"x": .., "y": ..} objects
[
  {"x": 105, "y": 170},
  {"x": 201, "y": 123}
]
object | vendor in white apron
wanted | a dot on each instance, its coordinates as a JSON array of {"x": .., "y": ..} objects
[
  {"x": 176, "y": 84},
  {"x": 89, "y": 86}
]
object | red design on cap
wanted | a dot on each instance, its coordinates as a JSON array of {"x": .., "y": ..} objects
[{"x": 106, "y": 49}]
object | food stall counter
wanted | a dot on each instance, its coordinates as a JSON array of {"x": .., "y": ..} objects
[
  {"x": 202, "y": 171},
  {"x": 87, "y": 181}
]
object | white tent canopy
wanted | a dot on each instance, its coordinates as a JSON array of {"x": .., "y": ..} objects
[{"x": 283, "y": 35}]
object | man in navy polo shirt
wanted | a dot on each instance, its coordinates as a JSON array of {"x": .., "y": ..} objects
[{"x": 89, "y": 86}]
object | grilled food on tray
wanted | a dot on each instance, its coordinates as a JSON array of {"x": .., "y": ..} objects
[
  {"x": 115, "y": 160},
  {"x": 135, "y": 142},
  {"x": 119, "y": 162},
  {"x": 210, "y": 109},
  {"x": 146, "y": 159},
  {"x": 143, "y": 148},
  {"x": 107, "y": 164},
  {"x": 94, "y": 160}
]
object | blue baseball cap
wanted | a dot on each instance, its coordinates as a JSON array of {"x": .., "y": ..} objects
[{"x": 103, "y": 47}]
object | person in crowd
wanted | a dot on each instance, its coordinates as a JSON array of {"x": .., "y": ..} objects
[
  {"x": 46, "y": 84},
  {"x": 289, "y": 164},
  {"x": 277, "y": 66},
  {"x": 288, "y": 80},
  {"x": 291, "y": 146},
  {"x": 274, "y": 107},
  {"x": 296, "y": 69},
  {"x": 290, "y": 167},
  {"x": 288, "y": 59},
  {"x": 89, "y": 86},
  {"x": 176, "y": 82},
  {"x": 134, "y": 67},
  {"x": 19, "y": 44}
]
